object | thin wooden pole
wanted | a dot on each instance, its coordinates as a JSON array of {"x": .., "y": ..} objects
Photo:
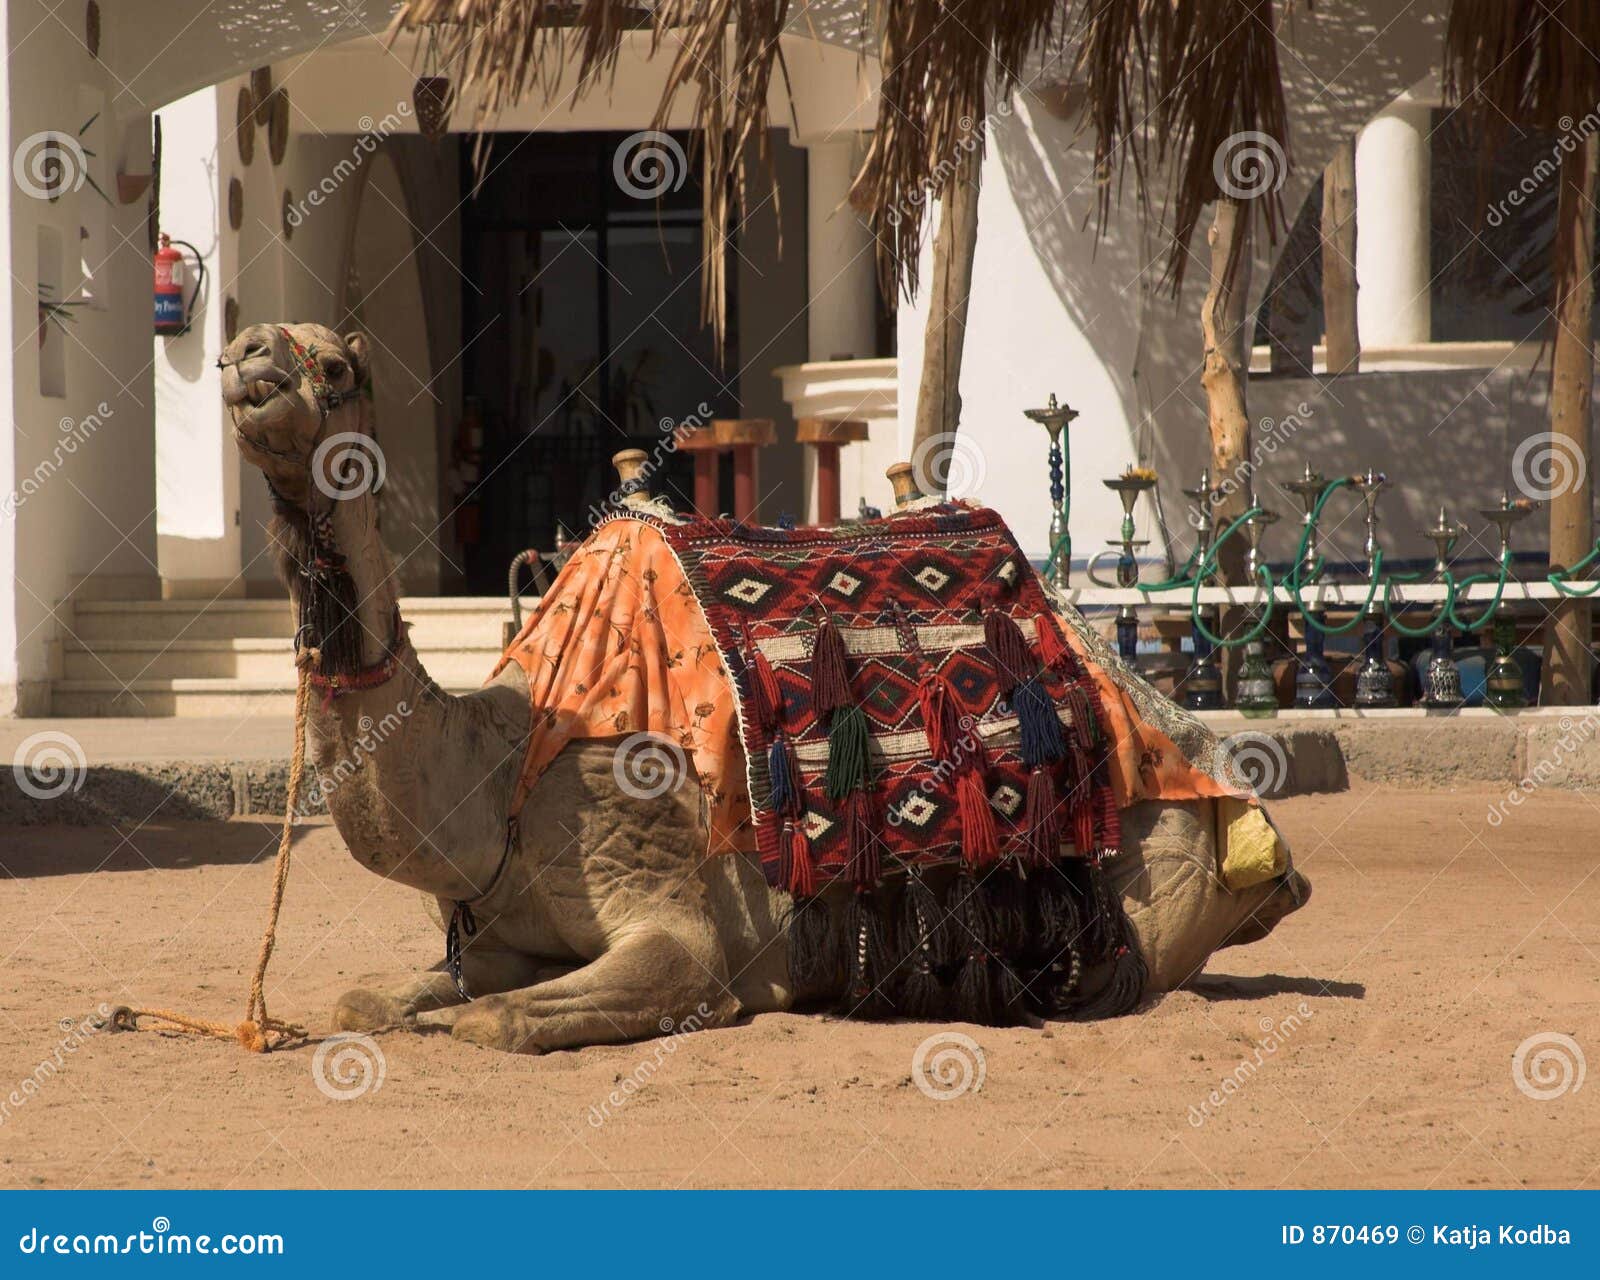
[
  {"x": 1567, "y": 662},
  {"x": 954, "y": 246},
  {"x": 1342, "y": 340}
]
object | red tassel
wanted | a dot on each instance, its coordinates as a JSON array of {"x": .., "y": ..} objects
[
  {"x": 1109, "y": 819},
  {"x": 1043, "y": 844},
  {"x": 764, "y": 693},
  {"x": 802, "y": 876},
  {"x": 941, "y": 716},
  {"x": 830, "y": 672},
  {"x": 1008, "y": 649},
  {"x": 1083, "y": 718},
  {"x": 1082, "y": 812},
  {"x": 864, "y": 857},
  {"x": 1053, "y": 648},
  {"x": 980, "y": 844}
]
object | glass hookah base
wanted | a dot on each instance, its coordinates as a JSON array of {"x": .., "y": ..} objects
[
  {"x": 1375, "y": 687},
  {"x": 1313, "y": 687},
  {"x": 1444, "y": 685},
  {"x": 1502, "y": 687},
  {"x": 1202, "y": 689}
]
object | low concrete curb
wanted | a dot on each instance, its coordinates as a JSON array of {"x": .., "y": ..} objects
[
  {"x": 143, "y": 791},
  {"x": 1293, "y": 754}
]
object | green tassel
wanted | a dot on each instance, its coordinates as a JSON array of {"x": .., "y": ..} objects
[{"x": 847, "y": 753}]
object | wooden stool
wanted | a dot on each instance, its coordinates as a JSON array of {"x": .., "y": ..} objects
[
  {"x": 744, "y": 436},
  {"x": 702, "y": 445},
  {"x": 825, "y": 435}
]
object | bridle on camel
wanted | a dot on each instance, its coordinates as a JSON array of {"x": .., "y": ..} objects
[{"x": 259, "y": 1031}]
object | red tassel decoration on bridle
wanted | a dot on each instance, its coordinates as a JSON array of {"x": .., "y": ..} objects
[{"x": 980, "y": 843}]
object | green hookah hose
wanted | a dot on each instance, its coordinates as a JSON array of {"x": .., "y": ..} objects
[
  {"x": 1558, "y": 577},
  {"x": 1207, "y": 566},
  {"x": 1296, "y": 586},
  {"x": 1418, "y": 633},
  {"x": 1468, "y": 583}
]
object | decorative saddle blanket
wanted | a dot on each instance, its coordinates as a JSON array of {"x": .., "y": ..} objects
[{"x": 892, "y": 708}]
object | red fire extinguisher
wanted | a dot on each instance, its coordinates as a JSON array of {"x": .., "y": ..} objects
[{"x": 172, "y": 311}]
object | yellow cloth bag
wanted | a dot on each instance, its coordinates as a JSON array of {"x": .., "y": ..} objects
[{"x": 1251, "y": 849}]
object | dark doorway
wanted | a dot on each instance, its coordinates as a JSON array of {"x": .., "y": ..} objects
[{"x": 582, "y": 336}]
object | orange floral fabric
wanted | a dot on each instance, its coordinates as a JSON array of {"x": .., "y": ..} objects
[{"x": 619, "y": 646}]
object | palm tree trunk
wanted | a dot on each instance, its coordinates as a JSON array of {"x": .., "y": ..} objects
[
  {"x": 1568, "y": 664},
  {"x": 1223, "y": 375}
]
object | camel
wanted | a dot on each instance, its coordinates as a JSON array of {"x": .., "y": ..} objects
[{"x": 599, "y": 919}]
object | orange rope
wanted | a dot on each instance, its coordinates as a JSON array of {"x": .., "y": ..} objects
[{"x": 259, "y": 1032}]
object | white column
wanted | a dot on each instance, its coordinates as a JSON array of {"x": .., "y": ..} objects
[
  {"x": 197, "y": 466},
  {"x": 1393, "y": 303},
  {"x": 840, "y": 264}
]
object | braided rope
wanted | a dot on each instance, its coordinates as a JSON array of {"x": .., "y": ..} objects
[{"x": 259, "y": 1032}]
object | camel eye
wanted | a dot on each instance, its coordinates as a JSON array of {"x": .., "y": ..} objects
[{"x": 334, "y": 368}]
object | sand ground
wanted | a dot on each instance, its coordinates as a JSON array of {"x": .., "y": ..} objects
[{"x": 1391, "y": 1011}]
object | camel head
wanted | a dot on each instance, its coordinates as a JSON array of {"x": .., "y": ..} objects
[{"x": 289, "y": 387}]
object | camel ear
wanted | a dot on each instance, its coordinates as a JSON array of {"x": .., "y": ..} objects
[{"x": 356, "y": 343}]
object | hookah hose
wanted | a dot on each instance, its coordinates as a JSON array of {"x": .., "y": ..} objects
[
  {"x": 1207, "y": 567},
  {"x": 1418, "y": 633},
  {"x": 1468, "y": 583},
  {"x": 1296, "y": 585},
  {"x": 1558, "y": 577}
]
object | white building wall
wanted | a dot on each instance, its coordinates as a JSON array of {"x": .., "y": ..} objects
[{"x": 78, "y": 475}]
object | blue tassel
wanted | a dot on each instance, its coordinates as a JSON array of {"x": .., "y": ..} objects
[
  {"x": 784, "y": 797},
  {"x": 1040, "y": 728}
]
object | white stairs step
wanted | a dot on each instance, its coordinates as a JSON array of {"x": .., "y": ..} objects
[{"x": 234, "y": 657}]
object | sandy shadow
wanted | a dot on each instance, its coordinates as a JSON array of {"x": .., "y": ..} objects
[
  {"x": 157, "y": 845},
  {"x": 1219, "y": 986}
]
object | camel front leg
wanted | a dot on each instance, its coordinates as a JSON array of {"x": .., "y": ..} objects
[
  {"x": 484, "y": 969},
  {"x": 650, "y": 981}
]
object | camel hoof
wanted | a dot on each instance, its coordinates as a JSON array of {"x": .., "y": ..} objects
[
  {"x": 495, "y": 1027},
  {"x": 362, "y": 1010}
]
